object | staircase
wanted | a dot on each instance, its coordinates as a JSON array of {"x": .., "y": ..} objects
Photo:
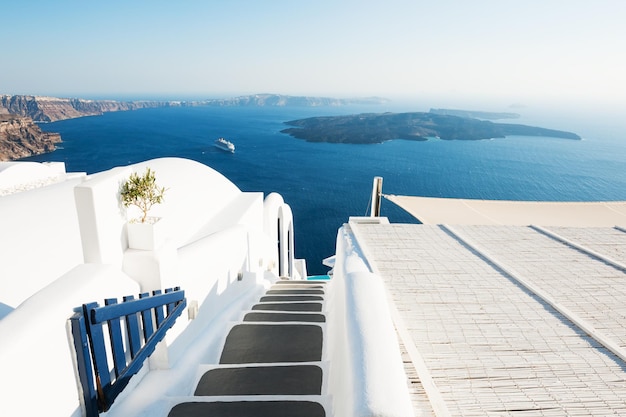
[{"x": 271, "y": 362}]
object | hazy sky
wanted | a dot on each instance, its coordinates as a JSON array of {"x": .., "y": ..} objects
[{"x": 506, "y": 49}]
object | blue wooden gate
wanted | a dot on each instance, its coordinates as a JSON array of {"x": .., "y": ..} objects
[{"x": 145, "y": 320}]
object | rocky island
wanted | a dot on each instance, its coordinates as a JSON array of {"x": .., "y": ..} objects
[{"x": 380, "y": 127}]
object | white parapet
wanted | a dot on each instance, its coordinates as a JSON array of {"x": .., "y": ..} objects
[
  {"x": 39, "y": 239},
  {"x": 366, "y": 377},
  {"x": 21, "y": 176},
  {"x": 101, "y": 217}
]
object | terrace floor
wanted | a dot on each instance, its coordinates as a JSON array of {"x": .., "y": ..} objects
[{"x": 506, "y": 320}]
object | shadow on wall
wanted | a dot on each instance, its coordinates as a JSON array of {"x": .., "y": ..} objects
[{"x": 5, "y": 310}]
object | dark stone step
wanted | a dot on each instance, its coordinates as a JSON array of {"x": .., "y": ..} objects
[
  {"x": 297, "y": 287},
  {"x": 249, "y": 409},
  {"x": 262, "y": 380},
  {"x": 282, "y": 317},
  {"x": 271, "y": 343},
  {"x": 310, "y": 307},
  {"x": 291, "y": 298},
  {"x": 295, "y": 291}
]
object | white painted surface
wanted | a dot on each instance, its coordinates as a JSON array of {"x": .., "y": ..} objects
[
  {"x": 102, "y": 217},
  {"x": 20, "y": 175},
  {"x": 39, "y": 240},
  {"x": 366, "y": 373},
  {"x": 214, "y": 234},
  {"x": 221, "y": 247},
  {"x": 35, "y": 356}
]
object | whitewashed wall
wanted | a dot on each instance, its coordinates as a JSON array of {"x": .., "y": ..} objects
[{"x": 366, "y": 375}]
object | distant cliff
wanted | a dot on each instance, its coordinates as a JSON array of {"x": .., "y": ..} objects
[
  {"x": 50, "y": 109},
  {"x": 21, "y": 137},
  {"x": 381, "y": 127},
  {"x": 279, "y": 100}
]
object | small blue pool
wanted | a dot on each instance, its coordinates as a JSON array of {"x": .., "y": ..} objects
[{"x": 317, "y": 277}]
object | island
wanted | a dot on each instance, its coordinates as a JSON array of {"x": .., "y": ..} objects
[{"x": 370, "y": 128}]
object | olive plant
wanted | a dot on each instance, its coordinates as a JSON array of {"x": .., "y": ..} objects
[{"x": 142, "y": 191}]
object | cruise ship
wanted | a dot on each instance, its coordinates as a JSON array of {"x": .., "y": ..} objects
[
  {"x": 486, "y": 308},
  {"x": 225, "y": 145}
]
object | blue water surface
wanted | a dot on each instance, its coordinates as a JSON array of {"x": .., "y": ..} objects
[{"x": 326, "y": 183}]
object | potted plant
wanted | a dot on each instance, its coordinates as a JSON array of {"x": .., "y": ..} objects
[{"x": 142, "y": 192}]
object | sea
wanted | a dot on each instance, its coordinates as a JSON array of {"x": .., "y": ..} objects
[{"x": 326, "y": 183}]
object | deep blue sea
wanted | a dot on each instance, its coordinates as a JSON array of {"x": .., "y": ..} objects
[{"x": 326, "y": 183}]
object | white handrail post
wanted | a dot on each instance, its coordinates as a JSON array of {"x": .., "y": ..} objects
[{"x": 377, "y": 193}]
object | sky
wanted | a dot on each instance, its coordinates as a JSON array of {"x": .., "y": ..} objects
[{"x": 507, "y": 50}]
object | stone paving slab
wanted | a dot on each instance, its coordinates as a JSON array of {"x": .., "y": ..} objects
[
  {"x": 249, "y": 409},
  {"x": 284, "y": 317},
  {"x": 489, "y": 345},
  {"x": 272, "y": 343},
  {"x": 261, "y": 380}
]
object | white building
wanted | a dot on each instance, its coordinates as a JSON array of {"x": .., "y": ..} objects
[
  {"x": 492, "y": 308},
  {"x": 64, "y": 243}
]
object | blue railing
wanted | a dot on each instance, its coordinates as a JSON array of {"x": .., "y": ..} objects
[{"x": 145, "y": 322}]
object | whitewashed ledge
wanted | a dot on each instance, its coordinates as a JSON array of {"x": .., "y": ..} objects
[
  {"x": 30, "y": 185},
  {"x": 16, "y": 177},
  {"x": 367, "y": 377}
]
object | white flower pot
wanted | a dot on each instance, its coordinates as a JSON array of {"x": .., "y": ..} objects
[{"x": 145, "y": 236}]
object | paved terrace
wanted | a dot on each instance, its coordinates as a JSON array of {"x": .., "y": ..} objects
[{"x": 507, "y": 320}]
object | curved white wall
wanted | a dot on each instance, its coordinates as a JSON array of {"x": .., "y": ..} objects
[
  {"x": 195, "y": 193},
  {"x": 286, "y": 255},
  {"x": 278, "y": 225}
]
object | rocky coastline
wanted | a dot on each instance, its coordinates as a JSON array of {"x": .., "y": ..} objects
[
  {"x": 52, "y": 109},
  {"x": 20, "y": 137}
]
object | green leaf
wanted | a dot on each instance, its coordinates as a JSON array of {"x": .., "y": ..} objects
[{"x": 142, "y": 192}]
